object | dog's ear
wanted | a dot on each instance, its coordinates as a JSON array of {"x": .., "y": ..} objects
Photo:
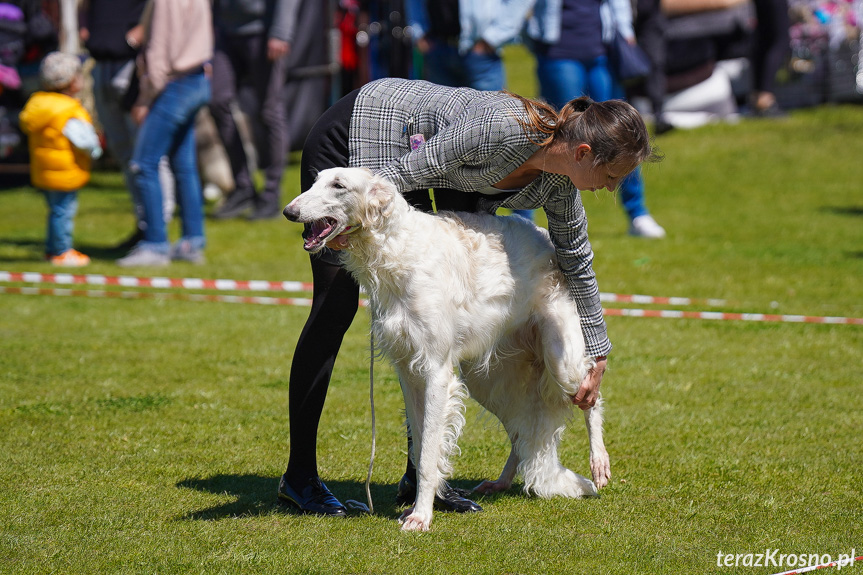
[{"x": 379, "y": 202}]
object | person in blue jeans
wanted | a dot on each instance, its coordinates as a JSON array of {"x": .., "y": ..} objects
[
  {"x": 569, "y": 42},
  {"x": 460, "y": 41},
  {"x": 174, "y": 87}
]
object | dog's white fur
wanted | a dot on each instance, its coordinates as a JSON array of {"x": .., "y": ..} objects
[{"x": 464, "y": 293}]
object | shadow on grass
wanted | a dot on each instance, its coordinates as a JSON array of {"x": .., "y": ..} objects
[
  {"x": 33, "y": 250},
  {"x": 255, "y": 495},
  {"x": 34, "y": 246},
  {"x": 844, "y": 210}
]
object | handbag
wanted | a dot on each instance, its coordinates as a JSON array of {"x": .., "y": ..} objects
[{"x": 629, "y": 62}]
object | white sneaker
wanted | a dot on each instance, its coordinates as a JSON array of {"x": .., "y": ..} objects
[
  {"x": 183, "y": 251},
  {"x": 646, "y": 227},
  {"x": 143, "y": 257}
]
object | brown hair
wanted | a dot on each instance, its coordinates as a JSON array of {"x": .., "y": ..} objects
[{"x": 613, "y": 129}]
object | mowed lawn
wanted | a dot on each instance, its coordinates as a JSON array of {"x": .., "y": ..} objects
[{"x": 148, "y": 435}]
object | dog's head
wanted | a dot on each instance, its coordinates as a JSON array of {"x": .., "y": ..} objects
[{"x": 341, "y": 201}]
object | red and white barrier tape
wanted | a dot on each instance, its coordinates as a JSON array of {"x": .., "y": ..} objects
[
  {"x": 159, "y": 295},
  {"x": 649, "y": 299},
  {"x": 840, "y": 564},
  {"x": 264, "y": 285},
  {"x": 157, "y": 282},
  {"x": 620, "y": 312},
  {"x": 712, "y": 315}
]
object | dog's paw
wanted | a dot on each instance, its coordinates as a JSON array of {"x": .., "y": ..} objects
[
  {"x": 489, "y": 487},
  {"x": 413, "y": 521},
  {"x": 600, "y": 469}
]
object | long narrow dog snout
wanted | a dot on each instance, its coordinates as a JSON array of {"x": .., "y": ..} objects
[{"x": 291, "y": 213}]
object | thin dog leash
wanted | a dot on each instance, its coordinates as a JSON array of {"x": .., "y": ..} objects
[{"x": 352, "y": 503}]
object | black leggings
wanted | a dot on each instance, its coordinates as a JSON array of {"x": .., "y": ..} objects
[
  {"x": 336, "y": 295},
  {"x": 771, "y": 42}
]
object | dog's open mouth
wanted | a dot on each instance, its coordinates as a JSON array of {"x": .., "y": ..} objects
[{"x": 321, "y": 231}]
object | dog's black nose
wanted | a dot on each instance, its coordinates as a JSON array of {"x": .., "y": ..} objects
[{"x": 291, "y": 213}]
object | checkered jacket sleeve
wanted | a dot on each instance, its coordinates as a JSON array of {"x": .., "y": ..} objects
[
  {"x": 567, "y": 226},
  {"x": 472, "y": 140}
]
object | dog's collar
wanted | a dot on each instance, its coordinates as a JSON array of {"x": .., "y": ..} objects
[{"x": 349, "y": 230}]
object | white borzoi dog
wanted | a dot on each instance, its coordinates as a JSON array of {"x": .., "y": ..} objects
[{"x": 462, "y": 298}]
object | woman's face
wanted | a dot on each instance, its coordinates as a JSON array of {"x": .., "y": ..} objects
[{"x": 587, "y": 175}]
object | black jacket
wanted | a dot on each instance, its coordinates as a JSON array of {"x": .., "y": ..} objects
[{"x": 108, "y": 21}]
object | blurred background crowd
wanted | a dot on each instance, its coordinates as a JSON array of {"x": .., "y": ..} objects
[{"x": 707, "y": 53}]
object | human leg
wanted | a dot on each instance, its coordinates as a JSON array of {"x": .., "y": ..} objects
[
  {"x": 641, "y": 223},
  {"x": 484, "y": 71},
  {"x": 604, "y": 86},
  {"x": 449, "y": 498},
  {"x": 183, "y": 160},
  {"x": 150, "y": 146},
  {"x": 650, "y": 27},
  {"x": 62, "y": 207},
  {"x": 561, "y": 80},
  {"x": 268, "y": 79},
  {"x": 223, "y": 106},
  {"x": 162, "y": 133},
  {"x": 118, "y": 127},
  {"x": 600, "y": 83},
  {"x": 770, "y": 48},
  {"x": 335, "y": 301}
]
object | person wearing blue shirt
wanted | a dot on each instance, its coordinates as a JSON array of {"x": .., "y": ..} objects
[{"x": 569, "y": 40}]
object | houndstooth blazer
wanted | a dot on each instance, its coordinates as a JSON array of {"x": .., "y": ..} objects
[{"x": 472, "y": 140}]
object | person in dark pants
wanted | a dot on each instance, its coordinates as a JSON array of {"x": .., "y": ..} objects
[
  {"x": 770, "y": 47},
  {"x": 253, "y": 40},
  {"x": 478, "y": 151},
  {"x": 110, "y": 31},
  {"x": 650, "y": 25}
]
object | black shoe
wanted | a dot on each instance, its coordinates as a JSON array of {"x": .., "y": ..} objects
[
  {"x": 130, "y": 242},
  {"x": 314, "y": 498},
  {"x": 453, "y": 498},
  {"x": 237, "y": 203},
  {"x": 662, "y": 127},
  {"x": 267, "y": 207}
]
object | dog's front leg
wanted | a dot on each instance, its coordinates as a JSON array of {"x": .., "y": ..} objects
[
  {"x": 432, "y": 452},
  {"x": 600, "y": 465}
]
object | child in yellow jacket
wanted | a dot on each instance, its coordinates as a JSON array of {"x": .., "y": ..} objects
[{"x": 62, "y": 143}]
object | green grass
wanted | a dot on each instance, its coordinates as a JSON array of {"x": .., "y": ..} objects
[{"x": 142, "y": 436}]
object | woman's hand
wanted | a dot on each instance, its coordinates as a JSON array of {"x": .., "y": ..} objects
[
  {"x": 139, "y": 113},
  {"x": 135, "y": 37},
  {"x": 277, "y": 49},
  {"x": 482, "y": 47},
  {"x": 588, "y": 393}
]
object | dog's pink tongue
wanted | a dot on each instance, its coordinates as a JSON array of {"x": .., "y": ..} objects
[{"x": 320, "y": 230}]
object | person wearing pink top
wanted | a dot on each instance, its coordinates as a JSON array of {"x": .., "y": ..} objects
[{"x": 174, "y": 84}]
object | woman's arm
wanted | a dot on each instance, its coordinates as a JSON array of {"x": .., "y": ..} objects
[
  {"x": 567, "y": 224},
  {"x": 83, "y": 136}
]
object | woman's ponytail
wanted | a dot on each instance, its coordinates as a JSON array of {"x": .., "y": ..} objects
[{"x": 613, "y": 129}]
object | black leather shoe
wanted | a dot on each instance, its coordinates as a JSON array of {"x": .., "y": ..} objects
[
  {"x": 453, "y": 499},
  {"x": 130, "y": 242},
  {"x": 236, "y": 204},
  {"x": 314, "y": 498}
]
